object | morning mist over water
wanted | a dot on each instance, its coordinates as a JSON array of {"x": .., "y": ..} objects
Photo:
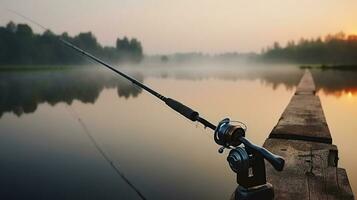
[{"x": 107, "y": 103}]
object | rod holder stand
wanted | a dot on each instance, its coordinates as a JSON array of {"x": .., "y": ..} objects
[{"x": 247, "y": 160}]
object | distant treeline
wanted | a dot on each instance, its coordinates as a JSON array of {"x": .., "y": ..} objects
[
  {"x": 20, "y": 45},
  {"x": 333, "y": 49}
]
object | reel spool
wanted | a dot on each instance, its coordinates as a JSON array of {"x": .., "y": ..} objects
[
  {"x": 227, "y": 134},
  {"x": 247, "y": 161}
]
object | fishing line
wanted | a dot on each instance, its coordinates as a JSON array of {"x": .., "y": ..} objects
[
  {"x": 85, "y": 129},
  {"x": 27, "y": 18}
]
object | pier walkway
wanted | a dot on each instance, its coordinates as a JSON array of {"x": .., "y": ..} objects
[{"x": 303, "y": 138}]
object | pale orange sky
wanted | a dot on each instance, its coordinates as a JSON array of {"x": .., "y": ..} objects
[{"x": 210, "y": 26}]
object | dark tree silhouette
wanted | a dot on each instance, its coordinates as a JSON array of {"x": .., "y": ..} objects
[
  {"x": 20, "y": 45},
  {"x": 333, "y": 49},
  {"x": 129, "y": 50}
]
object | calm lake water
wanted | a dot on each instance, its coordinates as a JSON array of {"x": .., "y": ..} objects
[{"x": 45, "y": 153}]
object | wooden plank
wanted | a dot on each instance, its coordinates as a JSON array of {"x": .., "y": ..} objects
[
  {"x": 303, "y": 119},
  {"x": 303, "y": 138},
  {"x": 308, "y": 173},
  {"x": 344, "y": 184},
  {"x": 306, "y": 84}
]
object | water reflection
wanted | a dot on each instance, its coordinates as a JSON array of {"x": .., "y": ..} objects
[
  {"x": 21, "y": 92},
  {"x": 336, "y": 82},
  {"x": 165, "y": 156}
]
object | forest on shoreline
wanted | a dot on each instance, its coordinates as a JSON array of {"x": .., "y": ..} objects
[
  {"x": 333, "y": 49},
  {"x": 19, "y": 45}
]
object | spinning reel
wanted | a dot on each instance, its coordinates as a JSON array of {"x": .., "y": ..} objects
[{"x": 247, "y": 161}]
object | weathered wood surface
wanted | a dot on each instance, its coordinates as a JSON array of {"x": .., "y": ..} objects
[
  {"x": 310, "y": 171},
  {"x": 306, "y": 84},
  {"x": 302, "y": 137},
  {"x": 303, "y": 118}
]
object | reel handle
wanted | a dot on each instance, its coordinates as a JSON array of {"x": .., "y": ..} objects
[
  {"x": 276, "y": 161},
  {"x": 227, "y": 135}
]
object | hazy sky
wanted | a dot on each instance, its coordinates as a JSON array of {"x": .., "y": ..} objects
[{"x": 211, "y": 26}]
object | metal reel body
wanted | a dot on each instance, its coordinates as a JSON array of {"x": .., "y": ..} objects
[
  {"x": 247, "y": 161},
  {"x": 227, "y": 134},
  {"x": 249, "y": 166}
]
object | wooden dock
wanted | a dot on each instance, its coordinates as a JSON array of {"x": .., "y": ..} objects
[{"x": 303, "y": 138}]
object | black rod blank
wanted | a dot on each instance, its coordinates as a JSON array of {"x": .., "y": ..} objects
[
  {"x": 175, "y": 105},
  {"x": 184, "y": 110},
  {"x": 133, "y": 80}
]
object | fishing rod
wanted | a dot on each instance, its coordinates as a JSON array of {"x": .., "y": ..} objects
[
  {"x": 172, "y": 103},
  {"x": 184, "y": 110},
  {"x": 245, "y": 158},
  {"x": 224, "y": 138}
]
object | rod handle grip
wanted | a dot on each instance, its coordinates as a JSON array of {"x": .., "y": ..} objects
[{"x": 182, "y": 109}]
